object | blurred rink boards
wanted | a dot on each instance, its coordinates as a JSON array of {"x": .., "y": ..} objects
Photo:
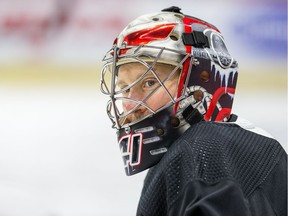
[{"x": 58, "y": 153}]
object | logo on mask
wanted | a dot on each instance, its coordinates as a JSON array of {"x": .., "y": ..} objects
[{"x": 131, "y": 149}]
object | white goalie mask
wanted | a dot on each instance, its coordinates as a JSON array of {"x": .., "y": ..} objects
[{"x": 164, "y": 72}]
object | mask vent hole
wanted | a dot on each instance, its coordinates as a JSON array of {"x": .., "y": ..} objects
[
  {"x": 180, "y": 16},
  {"x": 174, "y": 37}
]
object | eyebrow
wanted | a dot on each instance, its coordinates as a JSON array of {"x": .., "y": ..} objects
[{"x": 122, "y": 82}]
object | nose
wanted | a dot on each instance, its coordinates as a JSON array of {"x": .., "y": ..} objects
[{"x": 134, "y": 99}]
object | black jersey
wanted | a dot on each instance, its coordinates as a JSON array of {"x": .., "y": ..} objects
[{"x": 218, "y": 169}]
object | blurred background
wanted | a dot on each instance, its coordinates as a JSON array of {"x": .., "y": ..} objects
[{"x": 58, "y": 153}]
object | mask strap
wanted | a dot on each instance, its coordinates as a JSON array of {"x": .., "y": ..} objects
[{"x": 192, "y": 115}]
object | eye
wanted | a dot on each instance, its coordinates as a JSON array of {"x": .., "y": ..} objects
[{"x": 149, "y": 83}]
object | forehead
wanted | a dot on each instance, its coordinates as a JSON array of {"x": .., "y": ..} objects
[
  {"x": 131, "y": 67},
  {"x": 130, "y": 72},
  {"x": 135, "y": 67}
]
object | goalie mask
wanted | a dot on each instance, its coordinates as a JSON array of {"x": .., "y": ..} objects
[{"x": 165, "y": 72}]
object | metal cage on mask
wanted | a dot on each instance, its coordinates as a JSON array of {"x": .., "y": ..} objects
[{"x": 117, "y": 57}]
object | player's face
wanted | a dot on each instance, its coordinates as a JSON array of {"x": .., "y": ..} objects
[{"x": 146, "y": 83}]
